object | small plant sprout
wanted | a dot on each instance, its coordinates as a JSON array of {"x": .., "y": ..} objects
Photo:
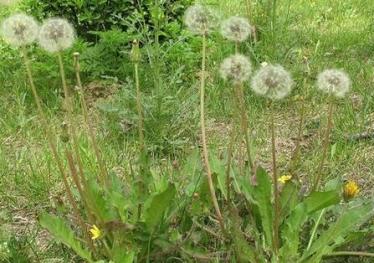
[
  {"x": 19, "y": 30},
  {"x": 236, "y": 29},
  {"x": 272, "y": 81},
  {"x": 56, "y": 35},
  {"x": 200, "y": 19},
  {"x": 236, "y": 69},
  {"x": 334, "y": 82}
]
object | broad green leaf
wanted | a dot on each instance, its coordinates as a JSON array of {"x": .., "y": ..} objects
[
  {"x": 58, "y": 228},
  {"x": 244, "y": 252},
  {"x": 218, "y": 169},
  {"x": 260, "y": 195},
  {"x": 319, "y": 200},
  {"x": 292, "y": 224},
  {"x": 338, "y": 231},
  {"x": 97, "y": 202},
  {"x": 288, "y": 198},
  {"x": 156, "y": 206}
]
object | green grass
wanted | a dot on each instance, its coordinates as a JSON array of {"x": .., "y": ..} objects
[{"x": 310, "y": 36}]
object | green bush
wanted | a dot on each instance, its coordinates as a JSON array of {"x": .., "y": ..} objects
[{"x": 127, "y": 15}]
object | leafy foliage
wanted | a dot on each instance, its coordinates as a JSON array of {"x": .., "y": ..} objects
[{"x": 133, "y": 17}]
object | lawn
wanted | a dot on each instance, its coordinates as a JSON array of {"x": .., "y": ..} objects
[{"x": 308, "y": 36}]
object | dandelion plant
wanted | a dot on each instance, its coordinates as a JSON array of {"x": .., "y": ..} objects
[
  {"x": 200, "y": 20},
  {"x": 275, "y": 83},
  {"x": 335, "y": 83}
]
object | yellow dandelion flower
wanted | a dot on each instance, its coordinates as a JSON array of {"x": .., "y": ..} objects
[
  {"x": 284, "y": 178},
  {"x": 350, "y": 190},
  {"x": 95, "y": 232}
]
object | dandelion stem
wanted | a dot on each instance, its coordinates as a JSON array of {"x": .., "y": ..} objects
[
  {"x": 70, "y": 119},
  {"x": 275, "y": 187},
  {"x": 229, "y": 160},
  {"x": 315, "y": 229},
  {"x": 295, "y": 155},
  {"x": 53, "y": 147},
  {"x": 244, "y": 122},
  {"x": 326, "y": 144},
  {"x": 350, "y": 253},
  {"x": 203, "y": 138},
  {"x": 102, "y": 167},
  {"x": 139, "y": 107}
]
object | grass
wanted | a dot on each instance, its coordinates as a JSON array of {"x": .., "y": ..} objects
[{"x": 310, "y": 36}]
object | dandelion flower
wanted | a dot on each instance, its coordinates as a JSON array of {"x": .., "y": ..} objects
[
  {"x": 19, "y": 30},
  {"x": 272, "y": 81},
  {"x": 236, "y": 29},
  {"x": 200, "y": 19},
  {"x": 8, "y": 2},
  {"x": 236, "y": 68},
  {"x": 334, "y": 82},
  {"x": 284, "y": 178},
  {"x": 350, "y": 190},
  {"x": 56, "y": 34},
  {"x": 95, "y": 232}
]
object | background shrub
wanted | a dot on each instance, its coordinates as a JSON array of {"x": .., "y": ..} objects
[{"x": 127, "y": 15}]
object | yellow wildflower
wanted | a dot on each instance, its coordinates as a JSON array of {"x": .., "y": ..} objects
[
  {"x": 350, "y": 190},
  {"x": 95, "y": 232},
  {"x": 284, "y": 178}
]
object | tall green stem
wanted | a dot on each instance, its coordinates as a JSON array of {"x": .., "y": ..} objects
[
  {"x": 53, "y": 147},
  {"x": 203, "y": 137},
  {"x": 276, "y": 207},
  {"x": 70, "y": 119},
  {"x": 325, "y": 146},
  {"x": 244, "y": 122},
  {"x": 139, "y": 108},
  {"x": 295, "y": 155},
  {"x": 102, "y": 167},
  {"x": 314, "y": 231}
]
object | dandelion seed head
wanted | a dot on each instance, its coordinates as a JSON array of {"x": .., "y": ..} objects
[
  {"x": 334, "y": 82},
  {"x": 200, "y": 19},
  {"x": 19, "y": 30},
  {"x": 56, "y": 34},
  {"x": 236, "y": 68},
  {"x": 272, "y": 81},
  {"x": 236, "y": 29}
]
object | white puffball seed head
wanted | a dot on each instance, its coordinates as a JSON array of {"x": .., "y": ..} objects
[
  {"x": 236, "y": 29},
  {"x": 19, "y": 30},
  {"x": 56, "y": 34},
  {"x": 272, "y": 81},
  {"x": 334, "y": 82},
  {"x": 236, "y": 68},
  {"x": 200, "y": 19}
]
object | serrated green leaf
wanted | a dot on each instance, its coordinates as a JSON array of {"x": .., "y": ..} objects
[
  {"x": 156, "y": 206},
  {"x": 260, "y": 195},
  {"x": 218, "y": 169},
  {"x": 58, "y": 228},
  {"x": 319, "y": 200},
  {"x": 288, "y": 199},
  {"x": 337, "y": 232},
  {"x": 244, "y": 252},
  {"x": 292, "y": 225}
]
